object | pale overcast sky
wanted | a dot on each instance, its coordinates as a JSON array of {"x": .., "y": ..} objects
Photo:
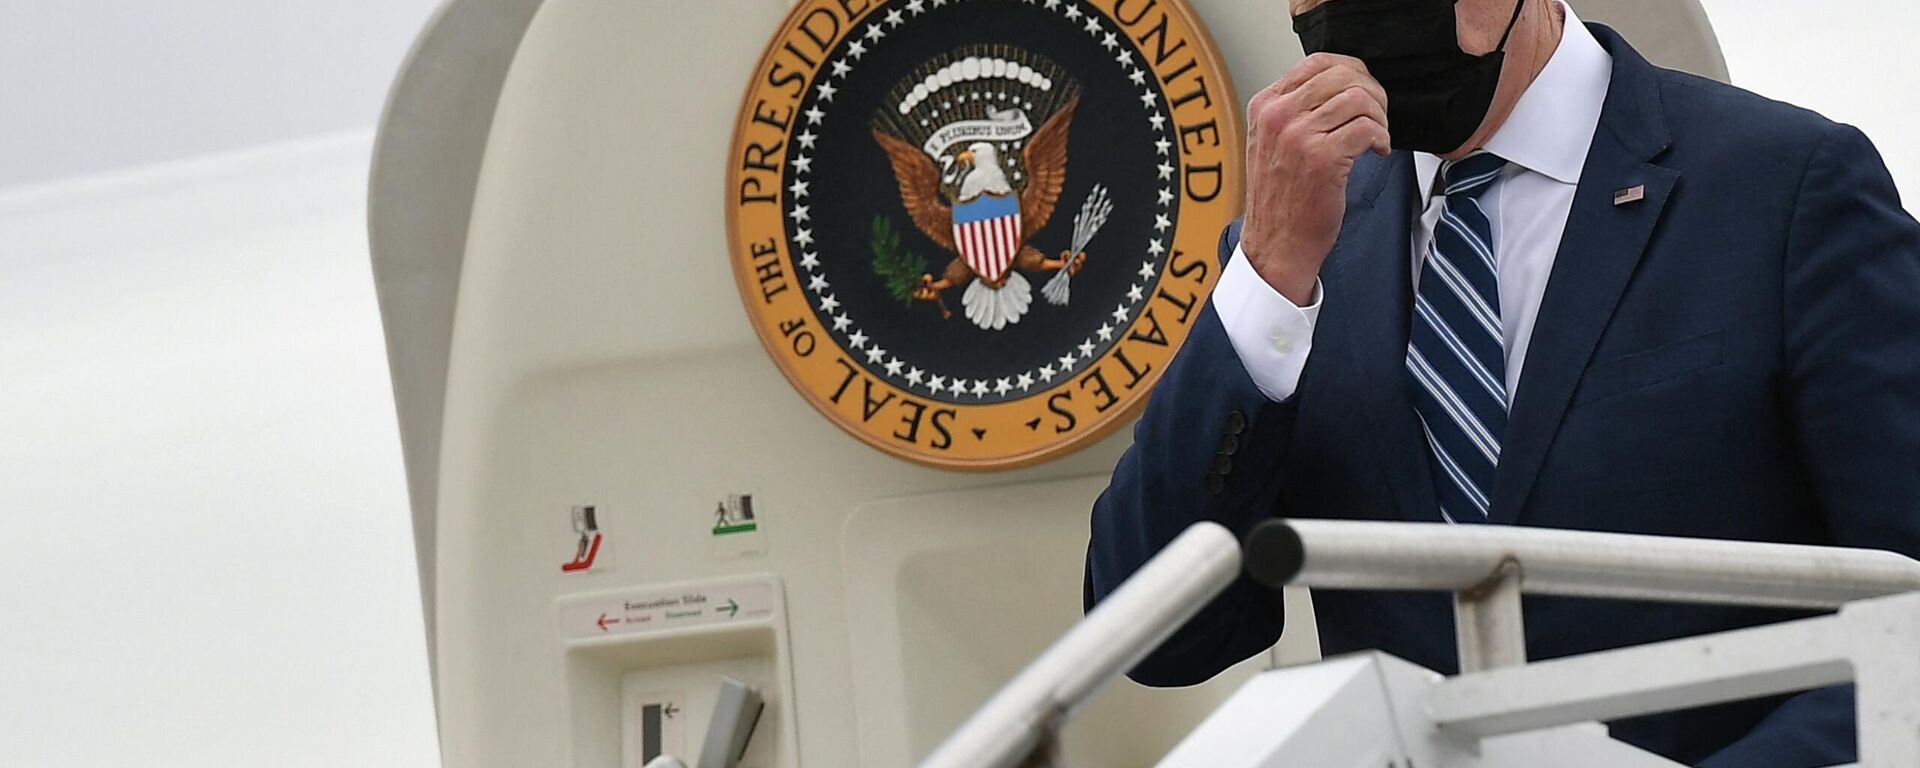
[
  {"x": 91, "y": 85},
  {"x": 1853, "y": 61}
]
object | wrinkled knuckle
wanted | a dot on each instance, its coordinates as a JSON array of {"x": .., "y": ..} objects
[
  {"x": 1271, "y": 121},
  {"x": 1354, "y": 99},
  {"x": 1376, "y": 110},
  {"x": 1285, "y": 119}
]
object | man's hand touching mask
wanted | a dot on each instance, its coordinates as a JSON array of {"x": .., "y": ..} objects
[{"x": 1304, "y": 133}]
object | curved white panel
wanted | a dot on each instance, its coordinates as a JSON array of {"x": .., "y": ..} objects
[{"x": 594, "y": 352}]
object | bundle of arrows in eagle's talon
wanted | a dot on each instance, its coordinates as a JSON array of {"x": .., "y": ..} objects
[{"x": 1093, "y": 215}]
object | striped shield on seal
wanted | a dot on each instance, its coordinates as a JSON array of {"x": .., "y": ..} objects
[{"x": 987, "y": 231}]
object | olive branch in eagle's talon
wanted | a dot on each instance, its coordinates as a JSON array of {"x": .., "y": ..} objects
[{"x": 904, "y": 274}]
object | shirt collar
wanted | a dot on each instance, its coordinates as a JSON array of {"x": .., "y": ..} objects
[{"x": 1553, "y": 124}]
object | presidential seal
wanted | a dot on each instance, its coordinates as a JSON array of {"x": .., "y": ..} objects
[{"x": 974, "y": 232}]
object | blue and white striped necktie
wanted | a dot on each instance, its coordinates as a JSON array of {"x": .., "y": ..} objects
[{"x": 1456, "y": 353}]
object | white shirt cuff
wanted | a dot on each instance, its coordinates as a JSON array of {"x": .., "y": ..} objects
[{"x": 1271, "y": 335}]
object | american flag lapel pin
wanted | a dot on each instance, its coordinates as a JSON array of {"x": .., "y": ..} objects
[{"x": 1633, "y": 194}]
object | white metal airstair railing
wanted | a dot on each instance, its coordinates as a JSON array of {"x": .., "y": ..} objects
[
  {"x": 1018, "y": 727},
  {"x": 1488, "y": 567},
  {"x": 1874, "y": 639}
]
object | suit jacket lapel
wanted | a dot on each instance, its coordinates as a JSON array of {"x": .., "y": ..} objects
[
  {"x": 1369, "y": 284},
  {"x": 1599, "y": 252}
]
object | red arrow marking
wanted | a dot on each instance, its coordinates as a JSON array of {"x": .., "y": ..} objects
[{"x": 604, "y": 621}]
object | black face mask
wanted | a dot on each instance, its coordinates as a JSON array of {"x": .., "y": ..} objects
[{"x": 1437, "y": 94}]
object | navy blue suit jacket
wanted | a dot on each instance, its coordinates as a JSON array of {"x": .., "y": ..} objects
[{"x": 1737, "y": 356}]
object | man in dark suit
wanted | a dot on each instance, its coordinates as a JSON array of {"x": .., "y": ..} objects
[{"x": 1552, "y": 286}]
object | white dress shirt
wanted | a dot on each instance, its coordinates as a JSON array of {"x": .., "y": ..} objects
[{"x": 1546, "y": 141}]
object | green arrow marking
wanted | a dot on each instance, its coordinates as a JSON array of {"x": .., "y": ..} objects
[{"x": 731, "y": 609}]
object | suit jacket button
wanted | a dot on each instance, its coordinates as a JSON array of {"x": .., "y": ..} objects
[
  {"x": 1216, "y": 484},
  {"x": 1229, "y": 445},
  {"x": 1236, "y": 423},
  {"x": 1222, "y": 465}
]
